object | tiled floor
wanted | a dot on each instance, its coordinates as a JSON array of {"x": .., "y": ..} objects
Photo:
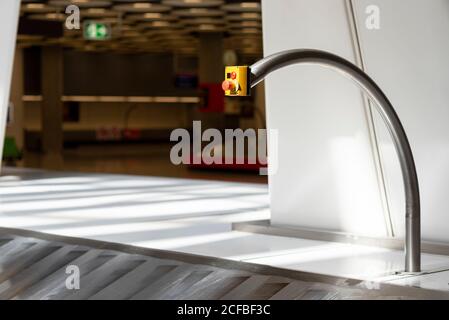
[{"x": 192, "y": 216}]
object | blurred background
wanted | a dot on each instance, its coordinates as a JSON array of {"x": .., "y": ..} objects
[{"x": 105, "y": 97}]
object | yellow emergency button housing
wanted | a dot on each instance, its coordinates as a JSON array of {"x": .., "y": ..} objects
[{"x": 236, "y": 81}]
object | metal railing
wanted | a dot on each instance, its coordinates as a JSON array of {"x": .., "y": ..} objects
[{"x": 264, "y": 67}]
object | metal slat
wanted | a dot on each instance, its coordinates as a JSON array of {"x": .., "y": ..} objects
[
  {"x": 103, "y": 276},
  {"x": 214, "y": 285},
  {"x": 316, "y": 294},
  {"x": 16, "y": 245},
  {"x": 184, "y": 285},
  {"x": 35, "y": 272},
  {"x": 268, "y": 289},
  {"x": 51, "y": 283},
  {"x": 291, "y": 291},
  {"x": 60, "y": 290},
  {"x": 244, "y": 290},
  {"x": 135, "y": 280},
  {"x": 157, "y": 288},
  {"x": 5, "y": 241},
  {"x": 16, "y": 263}
]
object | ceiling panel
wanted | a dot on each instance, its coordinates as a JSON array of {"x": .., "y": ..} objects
[{"x": 174, "y": 24}]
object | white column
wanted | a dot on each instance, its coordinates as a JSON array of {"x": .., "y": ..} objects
[{"x": 9, "y": 17}]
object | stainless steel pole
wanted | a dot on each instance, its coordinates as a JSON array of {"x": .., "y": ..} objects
[{"x": 264, "y": 67}]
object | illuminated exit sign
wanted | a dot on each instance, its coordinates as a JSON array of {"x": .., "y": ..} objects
[{"x": 94, "y": 30}]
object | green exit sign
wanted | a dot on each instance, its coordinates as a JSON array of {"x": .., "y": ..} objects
[{"x": 94, "y": 30}]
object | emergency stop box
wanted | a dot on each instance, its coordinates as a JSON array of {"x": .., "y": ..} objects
[{"x": 237, "y": 81}]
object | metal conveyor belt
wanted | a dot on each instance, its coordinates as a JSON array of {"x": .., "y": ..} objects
[{"x": 33, "y": 266}]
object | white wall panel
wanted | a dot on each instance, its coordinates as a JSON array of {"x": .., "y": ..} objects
[
  {"x": 326, "y": 177},
  {"x": 9, "y": 15},
  {"x": 409, "y": 57}
]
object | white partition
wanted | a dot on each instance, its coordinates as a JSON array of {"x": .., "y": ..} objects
[
  {"x": 327, "y": 175},
  {"x": 9, "y": 17},
  {"x": 327, "y": 178},
  {"x": 409, "y": 57}
]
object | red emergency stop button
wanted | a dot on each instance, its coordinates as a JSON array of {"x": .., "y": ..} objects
[{"x": 227, "y": 85}]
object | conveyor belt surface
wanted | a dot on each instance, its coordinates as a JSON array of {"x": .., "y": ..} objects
[{"x": 33, "y": 266}]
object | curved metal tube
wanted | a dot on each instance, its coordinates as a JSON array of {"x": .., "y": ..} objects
[{"x": 262, "y": 68}]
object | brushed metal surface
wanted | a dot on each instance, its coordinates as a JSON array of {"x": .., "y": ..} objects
[{"x": 265, "y": 227}]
